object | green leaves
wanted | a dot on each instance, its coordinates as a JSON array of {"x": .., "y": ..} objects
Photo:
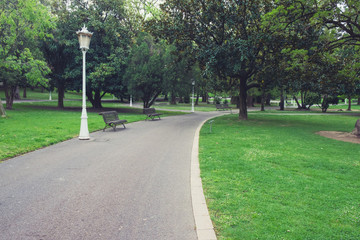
[
  {"x": 23, "y": 24},
  {"x": 145, "y": 70}
]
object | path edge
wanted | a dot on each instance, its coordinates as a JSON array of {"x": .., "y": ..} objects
[{"x": 204, "y": 226}]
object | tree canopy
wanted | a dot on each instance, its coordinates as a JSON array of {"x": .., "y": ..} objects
[
  {"x": 151, "y": 47},
  {"x": 23, "y": 24}
]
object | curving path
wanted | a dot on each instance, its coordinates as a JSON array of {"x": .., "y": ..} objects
[{"x": 129, "y": 184}]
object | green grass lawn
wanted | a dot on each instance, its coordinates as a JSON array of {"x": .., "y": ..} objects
[
  {"x": 33, "y": 125},
  {"x": 40, "y": 94},
  {"x": 272, "y": 177},
  {"x": 344, "y": 107},
  {"x": 201, "y": 107}
]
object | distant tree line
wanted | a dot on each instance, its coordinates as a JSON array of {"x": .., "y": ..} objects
[{"x": 146, "y": 48}]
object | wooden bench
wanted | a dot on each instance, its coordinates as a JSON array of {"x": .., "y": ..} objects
[
  {"x": 224, "y": 107},
  {"x": 151, "y": 113},
  {"x": 111, "y": 119},
  {"x": 219, "y": 107}
]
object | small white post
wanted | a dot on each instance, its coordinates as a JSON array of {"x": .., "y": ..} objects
[{"x": 192, "y": 103}]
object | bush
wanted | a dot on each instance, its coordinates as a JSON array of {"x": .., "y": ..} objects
[{"x": 327, "y": 100}]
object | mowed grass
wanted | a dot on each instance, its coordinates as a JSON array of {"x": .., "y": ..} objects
[
  {"x": 201, "y": 107},
  {"x": 272, "y": 177},
  {"x": 39, "y": 124}
]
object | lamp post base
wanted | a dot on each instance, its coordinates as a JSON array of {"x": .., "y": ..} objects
[{"x": 84, "y": 131}]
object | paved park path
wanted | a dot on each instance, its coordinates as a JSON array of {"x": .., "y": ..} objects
[{"x": 130, "y": 184}]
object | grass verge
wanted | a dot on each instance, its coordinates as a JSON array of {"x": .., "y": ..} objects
[
  {"x": 35, "y": 125},
  {"x": 272, "y": 177}
]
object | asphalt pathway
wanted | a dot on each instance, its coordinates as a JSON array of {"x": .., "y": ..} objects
[{"x": 130, "y": 184}]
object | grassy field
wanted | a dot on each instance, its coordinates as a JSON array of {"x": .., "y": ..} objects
[
  {"x": 33, "y": 125},
  {"x": 41, "y": 94},
  {"x": 344, "y": 107},
  {"x": 272, "y": 177},
  {"x": 201, "y": 107}
]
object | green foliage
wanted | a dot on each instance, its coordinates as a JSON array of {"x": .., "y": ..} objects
[
  {"x": 145, "y": 71},
  {"x": 23, "y": 24},
  {"x": 349, "y": 74},
  {"x": 339, "y": 17},
  {"x": 227, "y": 35},
  {"x": 327, "y": 100},
  {"x": 105, "y": 60}
]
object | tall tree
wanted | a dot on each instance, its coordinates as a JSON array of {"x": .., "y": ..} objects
[
  {"x": 23, "y": 23},
  {"x": 108, "y": 49},
  {"x": 59, "y": 50},
  {"x": 145, "y": 71},
  {"x": 349, "y": 74},
  {"x": 228, "y": 36}
]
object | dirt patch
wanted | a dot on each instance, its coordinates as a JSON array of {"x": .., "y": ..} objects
[{"x": 341, "y": 136}]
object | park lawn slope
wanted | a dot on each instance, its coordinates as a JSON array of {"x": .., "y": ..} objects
[
  {"x": 35, "y": 125},
  {"x": 272, "y": 177}
]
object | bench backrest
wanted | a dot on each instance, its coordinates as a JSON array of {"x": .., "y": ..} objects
[
  {"x": 148, "y": 110},
  {"x": 110, "y": 116},
  {"x": 219, "y": 106}
]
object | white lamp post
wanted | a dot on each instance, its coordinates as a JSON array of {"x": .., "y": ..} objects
[
  {"x": 192, "y": 103},
  {"x": 84, "y": 40}
]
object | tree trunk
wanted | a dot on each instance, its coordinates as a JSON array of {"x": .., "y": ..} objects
[
  {"x": 17, "y": 93},
  {"x": 268, "y": 100},
  {"x": 303, "y": 105},
  {"x": 61, "y": 93},
  {"x": 324, "y": 104},
  {"x": 349, "y": 105},
  {"x": 24, "y": 93},
  {"x": 282, "y": 101},
  {"x": 152, "y": 101},
  {"x": 2, "y": 109},
  {"x": 9, "y": 95},
  {"x": 95, "y": 99},
  {"x": 297, "y": 102},
  {"x": 242, "y": 100},
  {"x": 262, "y": 99},
  {"x": 358, "y": 101},
  {"x": 173, "y": 99},
  {"x": 250, "y": 101},
  {"x": 204, "y": 98}
]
